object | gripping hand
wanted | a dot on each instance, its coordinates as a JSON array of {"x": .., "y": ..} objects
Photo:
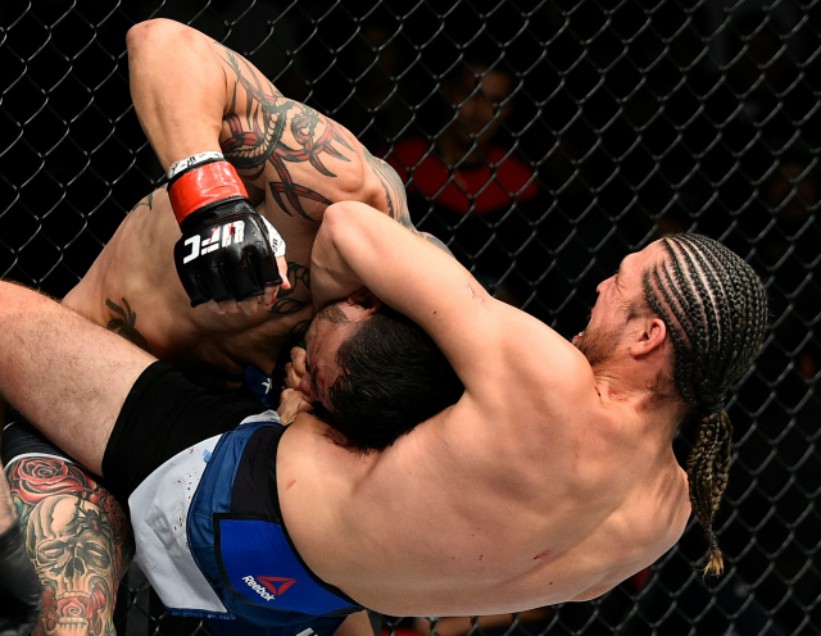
[
  {"x": 20, "y": 589},
  {"x": 228, "y": 251}
]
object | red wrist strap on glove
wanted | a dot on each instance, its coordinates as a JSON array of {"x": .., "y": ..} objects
[{"x": 204, "y": 185}]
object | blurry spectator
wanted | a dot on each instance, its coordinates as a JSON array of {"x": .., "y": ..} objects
[
  {"x": 465, "y": 181},
  {"x": 357, "y": 79},
  {"x": 373, "y": 107}
]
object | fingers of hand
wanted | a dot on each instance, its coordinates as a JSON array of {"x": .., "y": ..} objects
[
  {"x": 291, "y": 404},
  {"x": 292, "y": 378},
  {"x": 299, "y": 358},
  {"x": 282, "y": 266},
  {"x": 269, "y": 295},
  {"x": 252, "y": 306},
  {"x": 296, "y": 369}
]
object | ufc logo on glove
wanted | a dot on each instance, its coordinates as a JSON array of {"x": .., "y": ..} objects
[
  {"x": 227, "y": 249},
  {"x": 221, "y": 236}
]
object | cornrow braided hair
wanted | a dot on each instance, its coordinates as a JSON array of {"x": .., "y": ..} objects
[{"x": 715, "y": 309}]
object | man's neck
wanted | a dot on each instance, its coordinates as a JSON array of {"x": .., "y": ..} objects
[{"x": 648, "y": 395}]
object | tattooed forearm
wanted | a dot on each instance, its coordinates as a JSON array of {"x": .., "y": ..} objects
[
  {"x": 257, "y": 130},
  {"x": 146, "y": 202},
  {"x": 125, "y": 323}
]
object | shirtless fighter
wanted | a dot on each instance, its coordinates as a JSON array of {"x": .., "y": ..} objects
[
  {"x": 280, "y": 156},
  {"x": 575, "y": 447}
]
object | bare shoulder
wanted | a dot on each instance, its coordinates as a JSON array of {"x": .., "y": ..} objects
[{"x": 538, "y": 369}]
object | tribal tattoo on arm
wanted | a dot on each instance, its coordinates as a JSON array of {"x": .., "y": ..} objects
[
  {"x": 257, "y": 138},
  {"x": 295, "y": 299},
  {"x": 257, "y": 141}
]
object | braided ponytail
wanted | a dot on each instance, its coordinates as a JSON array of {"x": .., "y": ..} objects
[
  {"x": 715, "y": 309},
  {"x": 707, "y": 474}
]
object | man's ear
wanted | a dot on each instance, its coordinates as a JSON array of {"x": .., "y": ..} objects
[
  {"x": 653, "y": 336},
  {"x": 365, "y": 299}
]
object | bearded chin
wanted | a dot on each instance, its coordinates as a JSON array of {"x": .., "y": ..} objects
[{"x": 596, "y": 346}]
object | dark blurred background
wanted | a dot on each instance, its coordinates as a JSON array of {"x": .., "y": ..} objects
[{"x": 542, "y": 141}]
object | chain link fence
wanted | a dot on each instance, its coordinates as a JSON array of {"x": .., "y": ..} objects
[{"x": 608, "y": 122}]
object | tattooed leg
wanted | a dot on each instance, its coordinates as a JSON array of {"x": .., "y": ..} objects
[{"x": 79, "y": 540}]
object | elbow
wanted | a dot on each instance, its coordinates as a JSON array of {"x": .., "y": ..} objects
[
  {"x": 153, "y": 35},
  {"x": 332, "y": 219},
  {"x": 345, "y": 218},
  {"x": 359, "y": 183}
]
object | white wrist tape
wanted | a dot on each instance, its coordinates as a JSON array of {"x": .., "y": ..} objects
[
  {"x": 189, "y": 162},
  {"x": 274, "y": 238}
]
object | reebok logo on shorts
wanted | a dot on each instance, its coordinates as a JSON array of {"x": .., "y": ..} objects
[{"x": 268, "y": 587}]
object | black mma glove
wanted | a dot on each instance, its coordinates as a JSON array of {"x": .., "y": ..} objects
[
  {"x": 20, "y": 589},
  {"x": 228, "y": 250}
]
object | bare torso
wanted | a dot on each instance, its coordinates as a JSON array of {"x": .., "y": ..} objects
[
  {"x": 474, "y": 512},
  {"x": 133, "y": 288},
  {"x": 525, "y": 493}
]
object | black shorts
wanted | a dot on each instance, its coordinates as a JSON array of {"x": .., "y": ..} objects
[{"x": 165, "y": 413}]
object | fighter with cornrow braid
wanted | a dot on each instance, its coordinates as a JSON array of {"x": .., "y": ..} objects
[
  {"x": 553, "y": 473},
  {"x": 706, "y": 296}
]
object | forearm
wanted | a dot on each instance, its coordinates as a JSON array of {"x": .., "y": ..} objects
[
  {"x": 178, "y": 87},
  {"x": 357, "y": 247},
  {"x": 332, "y": 276}
]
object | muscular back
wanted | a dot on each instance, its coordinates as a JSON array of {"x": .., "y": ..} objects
[
  {"x": 484, "y": 510},
  {"x": 544, "y": 483}
]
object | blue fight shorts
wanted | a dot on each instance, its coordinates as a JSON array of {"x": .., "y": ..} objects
[{"x": 198, "y": 470}]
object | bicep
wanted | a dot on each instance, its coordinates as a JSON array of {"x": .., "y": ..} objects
[{"x": 416, "y": 278}]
